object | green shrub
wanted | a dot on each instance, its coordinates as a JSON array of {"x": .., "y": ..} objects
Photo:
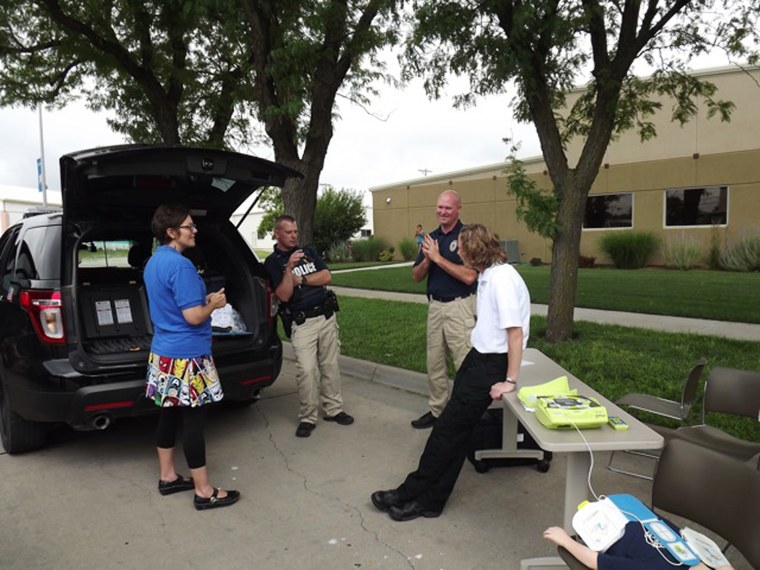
[
  {"x": 339, "y": 253},
  {"x": 713, "y": 256},
  {"x": 408, "y": 249},
  {"x": 744, "y": 256},
  {"x": 367, "y": 249},
  {"x": 629, "y": 250},
  {"x": 386, "y": 255},
  {"x": 682, "y": 253}
]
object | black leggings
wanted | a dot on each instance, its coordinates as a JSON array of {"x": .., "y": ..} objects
[{"x": 193, "y": 442}]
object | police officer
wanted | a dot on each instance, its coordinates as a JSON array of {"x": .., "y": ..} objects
[
  {"x": 451, "y": 310},
  {"x": 299, "y": 276}
]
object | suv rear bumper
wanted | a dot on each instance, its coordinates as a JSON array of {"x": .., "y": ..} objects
[{"x": 92, "y": 402}]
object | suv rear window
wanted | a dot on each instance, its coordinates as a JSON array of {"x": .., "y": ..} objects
[
  {"x": 39, "y": 254},
  {"x": 105, "y": 253}
]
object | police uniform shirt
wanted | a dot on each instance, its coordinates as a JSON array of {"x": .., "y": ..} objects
[
  {"x": 440, "y": 283},
  {"x": 308, "y": 296}
]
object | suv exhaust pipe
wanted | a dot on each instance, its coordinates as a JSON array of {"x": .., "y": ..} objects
[{"x": 101, "y": 422}]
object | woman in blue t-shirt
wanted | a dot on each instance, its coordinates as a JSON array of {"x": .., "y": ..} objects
[{"x": 182, "y": 377}]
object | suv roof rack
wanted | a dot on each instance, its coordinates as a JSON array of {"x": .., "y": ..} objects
[{"x": 38, "y": 210}]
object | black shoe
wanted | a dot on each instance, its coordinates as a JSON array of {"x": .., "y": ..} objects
[
  {"x": 384, "y": 500},
  {"x": 424, "y": 421},
  {"x": 412, "y": 510},
  {"x": 305, "y": 429},
  {"x": 214, "y": 501},
  {"x": 341, "y": 418},
  {"x": 177, "y": 486}
]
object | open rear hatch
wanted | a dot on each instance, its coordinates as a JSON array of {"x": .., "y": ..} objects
[{"x": 109, "y": 196}]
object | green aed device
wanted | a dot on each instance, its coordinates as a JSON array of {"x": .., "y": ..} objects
[{"x": 569, "y": 411}]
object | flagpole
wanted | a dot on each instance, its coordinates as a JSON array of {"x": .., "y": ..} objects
[{"x": 42, "y": 160}]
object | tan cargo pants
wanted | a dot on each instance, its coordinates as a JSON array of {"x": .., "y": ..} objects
[
  {"x": 448, "y": 337},
  {"x": 317, "y": 347}
]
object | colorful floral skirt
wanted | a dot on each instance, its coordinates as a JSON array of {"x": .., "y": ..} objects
[{"x": 182, "y": 381}]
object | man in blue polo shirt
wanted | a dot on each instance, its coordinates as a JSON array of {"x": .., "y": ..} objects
[{"x": 451, "y": 310}]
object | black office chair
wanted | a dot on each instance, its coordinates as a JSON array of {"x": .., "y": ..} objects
[
  {"x": 727, "y": 391},
  {"x": 679, "y": 410},
  {"x": 710, "y": 489}
]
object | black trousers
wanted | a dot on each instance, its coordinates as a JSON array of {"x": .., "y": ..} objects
[
  {"x": 446, "y": 448},
  {"x": 193, "y": 441}
]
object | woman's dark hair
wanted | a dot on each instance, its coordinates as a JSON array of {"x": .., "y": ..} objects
[{"x": 167, "y": 216}]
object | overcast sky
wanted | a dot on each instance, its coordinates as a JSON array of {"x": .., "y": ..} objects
[{"x": 416, "y": 134}]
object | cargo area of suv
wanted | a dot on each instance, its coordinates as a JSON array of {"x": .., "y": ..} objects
[{"x": 76, "y": 329}]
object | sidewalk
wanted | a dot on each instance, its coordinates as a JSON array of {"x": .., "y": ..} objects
[{"x": 736, "y": 331}]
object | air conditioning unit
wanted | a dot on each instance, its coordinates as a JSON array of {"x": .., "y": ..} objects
[{"x": 512, "y": 249}]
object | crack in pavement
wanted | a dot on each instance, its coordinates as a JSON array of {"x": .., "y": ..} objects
[{"x": 355, "y": 509}]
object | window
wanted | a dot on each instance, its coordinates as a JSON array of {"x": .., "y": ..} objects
[
  {"x": 609, "y": 211},
  {"x": 105, "y": 253},
  {"x": 696, "y": 206}
]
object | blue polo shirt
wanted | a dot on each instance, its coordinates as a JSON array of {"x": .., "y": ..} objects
[
  {"x": 174, "y": 285},
  {"x": 439, "y": 282}
]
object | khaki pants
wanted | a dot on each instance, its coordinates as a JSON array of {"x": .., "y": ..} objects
[
  {"x": 317, "y": 348},
  {"x": 448, "y": 336}
]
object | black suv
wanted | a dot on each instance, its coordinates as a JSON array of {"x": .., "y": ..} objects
[{"x": 74, "y": 324}]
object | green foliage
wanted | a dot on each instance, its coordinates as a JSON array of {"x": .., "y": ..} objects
[
  {"x": 271, "y": 203},
  {"x": 540, "y": 49},
  {"x": 367, "y": 249},
  {"x": 698, "y": 294},
  {"x": 629, "y": 249},
  {"x": 536, "y": 208},
  {"x": 743, "y": 256},
  {"x": 408, "y": 249},
  {"x": 339, "y": 253},
  {"x": 339, "y": 215},
  {"x": 713, "y": 256},
  {"x": 175, "y": 71},
  {"x": 610, "y": 359},
  {"x": 682, "y": 253}
]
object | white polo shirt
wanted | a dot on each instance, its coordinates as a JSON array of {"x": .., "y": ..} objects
[{"x": 503, "y": 302}]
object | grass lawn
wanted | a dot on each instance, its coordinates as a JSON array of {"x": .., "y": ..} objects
[
  {"x": 613, "y": 360},
  {"x": 701, "y": 294}
]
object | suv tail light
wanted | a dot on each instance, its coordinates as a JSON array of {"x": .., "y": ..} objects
[{"x": 45, "y": 310}]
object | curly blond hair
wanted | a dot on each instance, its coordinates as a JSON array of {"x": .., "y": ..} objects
[{"x": 480, "y": 247}]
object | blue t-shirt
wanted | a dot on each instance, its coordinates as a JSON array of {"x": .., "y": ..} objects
[
  {"x": 174, "y": 285},
  {"x": 439, "y": 282}
]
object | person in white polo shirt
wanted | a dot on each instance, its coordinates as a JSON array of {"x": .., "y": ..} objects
[{"x": 491, "y": 369}]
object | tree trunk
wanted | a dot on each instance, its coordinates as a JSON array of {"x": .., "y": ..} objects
[
  {"x": 299, "y": 198},
  {"x": 565, "y": 250}
]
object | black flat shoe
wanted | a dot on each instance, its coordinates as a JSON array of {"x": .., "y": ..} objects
[
  {"x": 425, "y": 421},
  {"x": 304, "y": 429},
  {"x": 384, "y": 500},
  {"x": 341, "y": 418},
  {"x": 410, "y": 511},
  {"x": 177, "y": 486},
  {"x": 214, "y": 501}
]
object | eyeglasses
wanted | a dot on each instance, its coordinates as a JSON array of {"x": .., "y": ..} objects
[{"x": 191, "y": 227}]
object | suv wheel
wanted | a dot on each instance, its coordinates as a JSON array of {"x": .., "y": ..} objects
[{"x": 17, "y": 434}]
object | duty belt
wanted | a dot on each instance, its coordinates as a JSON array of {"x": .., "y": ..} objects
[
  {"x": 299, "y": 317},
  {"x": 447, "y": 299}
]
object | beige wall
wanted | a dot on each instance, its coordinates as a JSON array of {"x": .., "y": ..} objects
[{"x": 701, "y": 153}]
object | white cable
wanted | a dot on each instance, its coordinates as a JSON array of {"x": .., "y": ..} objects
[{"x": 648, "y": 536}]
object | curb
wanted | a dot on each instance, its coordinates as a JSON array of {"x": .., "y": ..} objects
[{"x": 407, "y": 380}]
